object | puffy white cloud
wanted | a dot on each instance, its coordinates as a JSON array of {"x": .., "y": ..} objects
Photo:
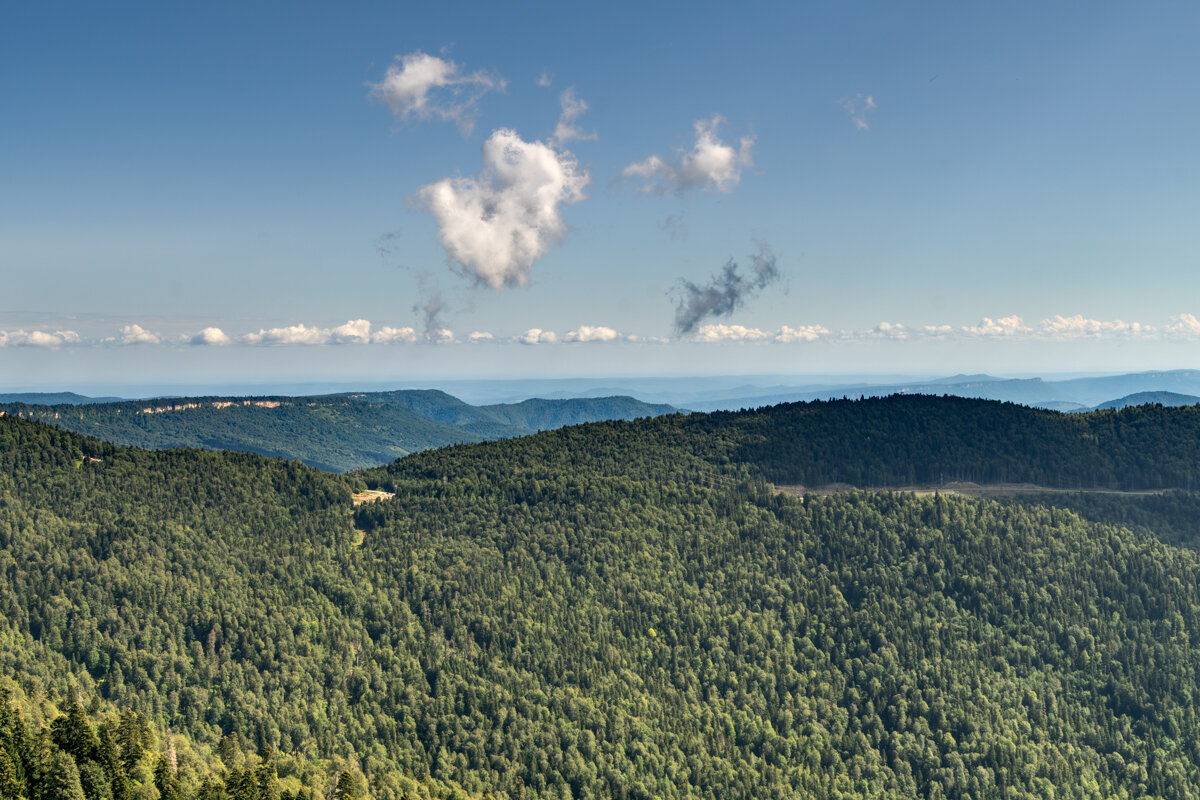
[
  {"x": 495, "y": 225},
  {"x": 710, "y": 164},
  {"x": 1079, "y": 327},
  {"x": 572, "y": 109},
  {"x": 388, "y": 335},
  {"x": 729, "y": 333},
  {"x": 426, "y": 87},
  {"x": 23, "y": 338},
  {"x": 440, "y": 336},
  {"x": 1183, "y": 326},
  {"x": 589, "y": 333},
  {"x": 134, "y": 334},
  {"x": 356, "y": 331},
  {"x": 885, "y": 330},
  {"x": 210, "y": 336},
  {"x": 538, "y": 336},
  {"x": 805, "y": 333},
  {"x": 292, "y": 334},
  {"x": 480, "y": 336},
  {"x": 858, "y": 107},
  {"x": 1004, "y": 326},
  {"x": 938, "y": 331}
]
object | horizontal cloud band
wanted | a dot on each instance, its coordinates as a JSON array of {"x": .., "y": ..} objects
[{"x": 1184, "y": 327}]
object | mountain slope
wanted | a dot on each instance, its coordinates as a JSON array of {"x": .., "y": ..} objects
[
  {"x": 331, "y": 432},
  {"x": 621, "y": 609},
  {"x": 1148, "y": 398},
  {"x": 53, "y": 398}
]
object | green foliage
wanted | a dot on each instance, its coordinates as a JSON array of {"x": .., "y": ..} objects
[
  {"x": 34, "y": 765},
  {"x": 621, "y": 609},
  {"x": 333, "y": 432}
]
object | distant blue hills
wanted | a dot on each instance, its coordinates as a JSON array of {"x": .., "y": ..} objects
[
  {"x": 353, "y": 430},
  {"x": 338, "y": 432}
]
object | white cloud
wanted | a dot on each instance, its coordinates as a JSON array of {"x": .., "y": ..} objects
[
  {"x": 1079, "y": 327},
  {"x": 1002, "y": 327},
  {"x": 589, "y": 333},
  {"x": 1183, "y": 326},
  {"x": 480, "y": 336},
  {"x": 805, "y": 333},
  {"x": 210, "y": 336},
  {"x": 885, "y": 330},
  {"x": 498, "y": 223},
  {"x": 710, "y": 164},
  {"x": 387, "y": 335},
  {"x": 23, "y": 338},
  {"x": 938, "y": 331},
  {"x": 858, "y": 107},
  {"x": 292, "y": 334},
  {"x": 545, "y": 79},
  {"x": 729, "y": 333},
  {"x": 538, "y": 336},
  {"x": 426, "y": 87},
  {"x": 134, "y": 334},
  {"x": 572, "y": 109},
  {"x": 356, "y": 331}
]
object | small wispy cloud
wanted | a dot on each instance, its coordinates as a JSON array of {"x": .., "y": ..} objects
[
  {"x": 676, "y": 226},
  {"x": 858, "y": 107},
  {"x": 725, "y": 292},
  {"x": 480, "y": 336},
  {"x": 422, "y": 86},
  {"x": 709, "y": 164},
  {"x": 545, "y": 79},
  {"x": 572, "y": 109}
]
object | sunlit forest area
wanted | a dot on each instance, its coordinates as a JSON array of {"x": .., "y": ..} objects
[{"x": 622, "y": 609}]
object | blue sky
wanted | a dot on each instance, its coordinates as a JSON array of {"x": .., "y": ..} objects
[{"x": 235, "y": 190}]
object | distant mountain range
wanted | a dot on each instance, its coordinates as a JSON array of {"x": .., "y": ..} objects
[
  {"x": 353, "y": 430},
  {"x": 1071, "y": 394},
  {"x": 332, "y": 432},
  {"x": 54, "y": 398}
]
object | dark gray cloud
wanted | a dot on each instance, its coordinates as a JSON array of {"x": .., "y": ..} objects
[{"x": 728, "y": 290}]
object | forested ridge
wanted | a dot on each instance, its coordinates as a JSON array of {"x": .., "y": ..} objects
[
  {"x": 336, "y": 432},
  {"x": 628, "y": 609}
]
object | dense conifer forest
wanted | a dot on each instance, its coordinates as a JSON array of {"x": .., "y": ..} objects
[
  {"x": 622, "y": 609},
  {"x": 337, "y": 432}
]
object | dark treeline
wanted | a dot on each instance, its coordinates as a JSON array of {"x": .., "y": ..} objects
[
  {"x": 906, "y": 440},
  {"x": 902, "y": 440}
]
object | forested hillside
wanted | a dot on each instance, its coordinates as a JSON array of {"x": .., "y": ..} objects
[
  {"x": 331, "y": 432},
  {"x": 75, "y": 752},
  {"x": 627, "y": 609}
]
